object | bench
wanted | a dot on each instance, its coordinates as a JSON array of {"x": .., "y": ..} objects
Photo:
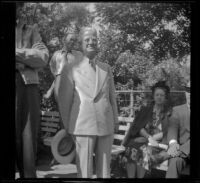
[
  {"x": 50, "y": 125},
  {"x": 117, "y": 148},
  {"x": 124, "y": 125}
]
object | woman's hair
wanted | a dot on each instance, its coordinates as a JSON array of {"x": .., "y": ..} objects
[
  {"x": 65, "y": 37},
  {"x": 162, "y": 85}
]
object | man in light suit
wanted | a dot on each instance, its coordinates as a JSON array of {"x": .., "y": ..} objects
[
  {"x": 88, "y": 108},
  {"x": 179, "y": 138}
]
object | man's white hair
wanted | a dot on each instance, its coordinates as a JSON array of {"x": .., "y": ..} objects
[{"x": 85, "y": 29}]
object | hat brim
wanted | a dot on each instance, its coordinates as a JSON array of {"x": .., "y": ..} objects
[{"x": 69, "y": 156}]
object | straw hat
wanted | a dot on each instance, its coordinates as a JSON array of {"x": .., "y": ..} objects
[{"x": 63, "y": 147}]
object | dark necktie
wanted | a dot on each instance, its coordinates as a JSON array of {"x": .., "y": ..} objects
[{"x": 93, "y": 65}]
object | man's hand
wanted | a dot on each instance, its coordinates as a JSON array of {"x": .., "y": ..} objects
[
  {"x": 47, "y": 95},
  {"x": 152, "y": 142},
  {"x": 173, "y": 150},
  {"x": 19, "y": 55},
  {"x": 19, "y": 51}
]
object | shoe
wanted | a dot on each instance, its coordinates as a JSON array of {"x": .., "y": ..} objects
[{"x": 53, "y": 162}]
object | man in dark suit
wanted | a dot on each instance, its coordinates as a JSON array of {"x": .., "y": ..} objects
[
  {"x": 30, "y": 55},
  {"x": 179, "y": 138}
]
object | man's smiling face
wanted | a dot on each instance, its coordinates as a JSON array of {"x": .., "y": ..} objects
[{"x": 89, "y": 42}]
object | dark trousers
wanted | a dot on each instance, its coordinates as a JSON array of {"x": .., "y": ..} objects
[
  {"x": 176, "y": 165},
  {"x": 27, "y": 119}
]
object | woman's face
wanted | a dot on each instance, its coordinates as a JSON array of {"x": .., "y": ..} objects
[
  {"x": 71, "y": 41},
  {"x": 159, "y": 96}
]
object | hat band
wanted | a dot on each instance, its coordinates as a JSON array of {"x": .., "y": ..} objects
[{"x": 72, "y": 148}]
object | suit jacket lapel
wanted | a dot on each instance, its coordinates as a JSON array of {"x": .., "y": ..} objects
[
  {"x": 187, "y": 119},
  {"x": 101, "y": 75}
]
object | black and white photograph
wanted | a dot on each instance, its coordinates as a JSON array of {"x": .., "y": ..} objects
[{"x": 102, "y": 90}]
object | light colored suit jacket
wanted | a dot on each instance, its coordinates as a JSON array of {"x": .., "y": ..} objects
[
  {"x": 87, "y": 107},
  {"x": 179, "y": 127}
]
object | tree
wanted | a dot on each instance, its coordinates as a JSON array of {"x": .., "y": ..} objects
[
  {"x": 54, "y": 19},
  {"x": 143, "y": 42},
  {"x": 170, "y": 70},
  {"x": 163, "y": 27}
]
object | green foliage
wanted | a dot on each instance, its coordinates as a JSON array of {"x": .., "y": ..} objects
[
  {"x": 142, "y": 42},
  {"x": 133, "y": 67},
  {"x": 54, "y": 19},
  {"x": 169, "y": 70},
  {"x": 148, "y": 23}
]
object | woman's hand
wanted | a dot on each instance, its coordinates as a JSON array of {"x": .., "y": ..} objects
[{"x": 152, "y": 141}]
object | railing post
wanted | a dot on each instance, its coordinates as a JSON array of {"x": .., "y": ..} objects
[{"x": 131, "y": 103}]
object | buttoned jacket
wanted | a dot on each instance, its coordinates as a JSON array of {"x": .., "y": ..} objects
[{"x": 87, "y": 103}]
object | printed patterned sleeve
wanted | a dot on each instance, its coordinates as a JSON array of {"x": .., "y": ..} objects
[
  {"x": 56, "y": 63},
  {"x": 113, "y": 97}
]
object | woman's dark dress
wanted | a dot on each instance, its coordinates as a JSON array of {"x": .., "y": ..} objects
[{"x": 137, "y": 149}]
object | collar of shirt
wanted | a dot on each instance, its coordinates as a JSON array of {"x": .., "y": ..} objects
[
  {"x": 63, "y": 51},
  {"x": 92, "y": 61},
  {"x": 67, "y": 51}
]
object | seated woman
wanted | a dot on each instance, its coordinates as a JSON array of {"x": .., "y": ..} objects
[{"x": 149, "y": 128}]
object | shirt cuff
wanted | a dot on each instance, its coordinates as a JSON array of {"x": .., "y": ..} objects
[{"x": 172, "y": 141}]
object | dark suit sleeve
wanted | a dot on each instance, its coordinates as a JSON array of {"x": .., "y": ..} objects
[
  {"x": 137, "y": 124},
  {"x": 65, "y": 94},
  {"x": 112, "y": 96},
  {"x": 173, "y": 127},
  {"x": 185, "y": 148}
]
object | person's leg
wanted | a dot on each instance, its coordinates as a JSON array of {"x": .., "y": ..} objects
[
  {"x": 131, "y": 168},
  {"x": 34, "y": 112},
  {"x": 19, "y": 113},
  {"x": 30, "y": 133},
  {"x": 140, "y": 171},
  {"x": 176, "y": 165},
  {"x": 103, "y": 150},
  {"x": 28, "y": 158},
  {"x": 84, "y": 155}
]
